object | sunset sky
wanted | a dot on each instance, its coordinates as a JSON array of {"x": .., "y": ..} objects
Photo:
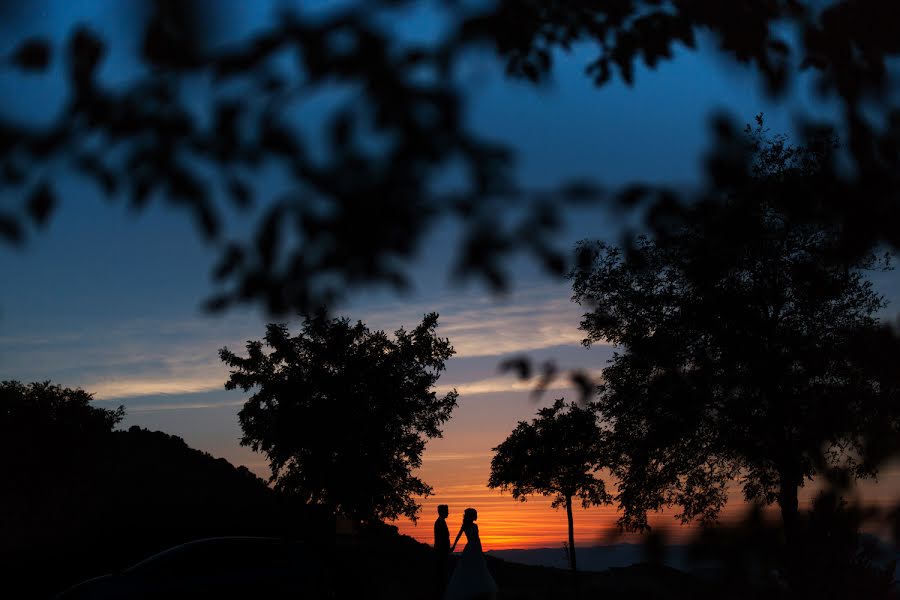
[{"x": 109, "y": 300}]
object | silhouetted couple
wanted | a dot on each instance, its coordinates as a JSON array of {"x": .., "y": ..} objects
[{"x": 471, "y": 579}]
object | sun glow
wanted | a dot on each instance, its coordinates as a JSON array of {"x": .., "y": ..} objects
[
  {"x": 505, "y": 523},
  {"x": 459, "y": 480}
]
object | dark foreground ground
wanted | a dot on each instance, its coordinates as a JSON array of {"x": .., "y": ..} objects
[
  {"x": 385, "y": 565},
  {"x": 391, "y": 566},
  {"x": 402, "y": 570},
  {"x": 399, "y": 567}
]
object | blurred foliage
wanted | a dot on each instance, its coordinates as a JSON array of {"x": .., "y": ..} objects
[
  {"x": 358, "y": 214},
  {"x": 202, "y": 124},
  {"x": 832, "y": 560},
  {"x": 343, "y": 413}
]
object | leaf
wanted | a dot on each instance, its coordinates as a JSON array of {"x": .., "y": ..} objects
[
  {"x": 186, "y": 188},
  {"x": 85, "y": 52},
  {"x": 530, "y": 71},
  {"x": 585, "y": 384},
  {"x": 41, "y": 203},
  {"x": 554, "y": 262},
  {"x": 633, "y": 195},
  {"x": 13, "y": 174},
  {"x": 269, "y": 235},
  {"x": 342, "y": 129},
  {"x": 10, "y": 230},
  {"x": 207, "y": 219},
  {"x": 240, "y": 193},
  {"x": 548, "y": 374},
  {"x": 32, "y": 55},
  {"x": 580, "y": 191},
  {"x": 277, "y": 139},
  {"x": 232, "y": 258},
  {"x": 92, "y": 167},
  {"x": 217, "y": 304},
  {"x": 520, "y": 364}
]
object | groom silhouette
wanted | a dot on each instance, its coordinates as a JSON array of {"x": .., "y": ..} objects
[{"x": 441, "y": 551}]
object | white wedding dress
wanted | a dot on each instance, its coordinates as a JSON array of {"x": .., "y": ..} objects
[{"x": 471, "y": 579}]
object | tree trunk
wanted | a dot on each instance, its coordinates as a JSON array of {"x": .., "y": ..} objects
[
  {"x": 790, "y": 512},
  {"x": 790, "y": 518},
  {"x": 571, "y": 533}
]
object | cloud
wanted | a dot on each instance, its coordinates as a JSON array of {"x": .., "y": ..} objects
[
  {"x": 508, "y": 383},
  {"x": 456, "y": 456},
  {"x": 131, "y": 358},
  {"x": 203, "y": 379},
  {"x": 541, "y": 317},
  {"x": 125, "y": 388},
  {"x": 134, "y": 358},
  {"x": 183, "y": 406},
  {"x": 115, "y": 389}
]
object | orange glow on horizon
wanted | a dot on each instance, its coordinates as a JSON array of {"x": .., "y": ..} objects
[
  {"x": 459, "y": 479},
  {"x": 506, "y": 524},
  {"x": 458, "y": 466}
]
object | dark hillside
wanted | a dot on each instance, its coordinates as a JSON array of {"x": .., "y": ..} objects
[
  {"x": 139, "y": 492},
  {"x": 143, "y": 491}
]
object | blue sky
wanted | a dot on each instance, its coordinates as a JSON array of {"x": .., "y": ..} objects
[{"x": 109, "y": 300}]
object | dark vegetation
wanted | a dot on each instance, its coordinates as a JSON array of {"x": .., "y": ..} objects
[
  {"x": 125, "y": 495},
  {"x": 748, "y": 353},
  {"x": 386, "y": 565},
  {"x": 745, "y": 341},
  {"x": 829, "y": 557},
  {"x": 343, "y": 413},
  {"x": 359, "y": 212},
  {"x": 741, "y": 360},
  {"x": 748, "y": 345},
  {"x": 557, "y": 454},
  {"x": 79, "y": 499}
]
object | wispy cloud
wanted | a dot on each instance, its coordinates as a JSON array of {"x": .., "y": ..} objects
[
  {"x": 137, "y": 387},
  {"x": 541, "y": 317},
  {"x": 129, "y": 358},
  {"x": 457, "y": 456},
  {"x": 201, "y": 382},
  {"x": 508, "y": 383},
  {"x": 144, "y": 357},
  {"x": 157, "y": 407}
]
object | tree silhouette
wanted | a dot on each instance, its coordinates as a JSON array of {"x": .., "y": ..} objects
[
  {"x": 59, "y": 416},
  {"x": 48, "y": 433},
  {"x": 52, "y": 438},
  {"x": 741, "y": 353},
  {"x": 343, "y": 413},
  {"x": 557, "y": 454}
]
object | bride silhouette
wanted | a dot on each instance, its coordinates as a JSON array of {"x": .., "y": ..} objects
[{"x": 471, "y": 578}]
